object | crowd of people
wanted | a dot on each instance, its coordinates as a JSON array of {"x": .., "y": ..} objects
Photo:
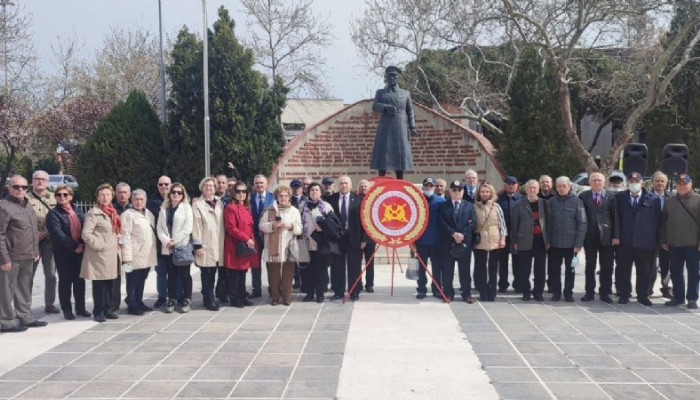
[{"x": 300, "y": 230}]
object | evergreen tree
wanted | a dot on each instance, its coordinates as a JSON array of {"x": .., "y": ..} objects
[
  {"x": 128, "y": 147},
  {"x": 244, "y": 110},
  {"x": 533, "y": 143}
]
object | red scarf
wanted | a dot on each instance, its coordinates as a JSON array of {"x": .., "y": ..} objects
[
  {"x": 114, "y": 216},
  {"x": 75, "y": 225}
]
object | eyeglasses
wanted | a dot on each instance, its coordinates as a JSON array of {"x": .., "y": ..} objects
[
  {"x": 163, "y": 184},
  {"x": 456, "y": 189},
  {"x": 20, "y": 187},
  {"x": 177, "y": 192},
  {"x": 241, "y": 192},
  {"x": 62, "y": 194}
]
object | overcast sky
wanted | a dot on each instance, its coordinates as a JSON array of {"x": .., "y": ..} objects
[{"x": 90, "y": 20}]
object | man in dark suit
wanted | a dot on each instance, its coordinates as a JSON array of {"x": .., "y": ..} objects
[
  {"x": 297, "y": 192},
  {"x": 259, "y": 199},
  {"x": 457, "y": 222},
  {"x": 346, "y": 205},
  {"x": 637, "y": 220},
  {"x": 368, "y": 252},
  {"x": 471, "y": 184},
  {"x": 507, "y": 199},
  {"x": 658, "y": 182},
  {"x": 598, "y": 242}
]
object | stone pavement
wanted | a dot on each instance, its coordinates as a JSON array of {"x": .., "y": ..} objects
[{"x": 382, "y": 347}]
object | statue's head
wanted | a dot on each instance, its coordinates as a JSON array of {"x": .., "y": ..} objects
[{"x": 391, "y": 75}]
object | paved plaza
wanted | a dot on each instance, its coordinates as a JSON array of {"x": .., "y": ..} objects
[{"x": 382, "y": 347}]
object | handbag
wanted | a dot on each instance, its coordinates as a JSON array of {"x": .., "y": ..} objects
[
  {"x": 298, "y": 250},
  {"x": 242, "y": 249},
  {"x": 412, "y": 269},
  {"x": 183, "y": 256},
  {"x": 460, "y": 250},
  {"x": 476, "y": 238}
]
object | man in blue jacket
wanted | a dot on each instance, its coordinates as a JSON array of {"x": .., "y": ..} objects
[
  {"x": 508, "y": 198},
  {"x": 259, "y": 199},
  {"x": 426, "y": 243},
  {"x": 637, "y": 220}
]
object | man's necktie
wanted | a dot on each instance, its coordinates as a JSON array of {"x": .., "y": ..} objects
[
  {"x": 596, "y": 199},
  {"x": 635, "y": 200},
  {"x": 343, "y": 209},
  {"x": 456, "y": 205},
  {"x": 261, "y": 205}
]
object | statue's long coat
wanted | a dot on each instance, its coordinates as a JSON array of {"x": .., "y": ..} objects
[{"x": 392, "y": 150}]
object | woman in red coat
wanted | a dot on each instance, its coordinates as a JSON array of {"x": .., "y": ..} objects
[{"x": 238, "y": 223}]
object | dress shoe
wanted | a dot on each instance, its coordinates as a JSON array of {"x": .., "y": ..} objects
[
  {"x": 469, "y": 300},
  {"x": 309, "y": 297},
  {"x": 538, "y": 297},
  {"x": 134, "y": 311},
  {"x": 83, "y": 313},
  {"x": 623, "y": 300},
  {"x": 692, "y": 305},
  {"x": 420, "y": 296},
  {"x": 51, "y": 309},
  {"x": 223, "y": 299},
  {"x": 667, "y": 293},
  {"x": 556, "y": 297},
  {"x": 369, "y": 289},
  {"x": 68, "y": 315},
  {"x": 100, "y": 318},
  {"x": 526, "y": 297},
  {"x": 237, "y": 304},
  {"x": 644, "y": 301},
  {"x": 674, "y": 302},
  {"x": 502, "y": 290},
  {"x": 159, "y": 303},
  {"x": 111, "y": 315},
  {"x": 337, "y": 297},
  {"x": 115, "y": 309},
  {"x": 247, "y": 302},
  {"x": 319, "y": 299},
  {"x": 587, "y": 297},
  {"x": 275, "y": 302},
  {"x": 569, "y": 298},
  {"x": 145, "y": 308},
  {"x": 212, "y": 307},
  {"x": 286, "y": 302},
  {"x": 16, "y": 328},
  {"x": 255, "y": 295},
  {"x": 36, "y": 324},
  {"x": 606, "y": 299}
]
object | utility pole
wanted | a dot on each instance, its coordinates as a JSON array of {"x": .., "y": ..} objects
[
  {"x": 162, "y": 65},
  {"x": 5, "y": 61},
  {"x": 207, "y": 155}
]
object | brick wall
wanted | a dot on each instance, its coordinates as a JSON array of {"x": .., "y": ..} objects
[{"x": 342, "y": 144}]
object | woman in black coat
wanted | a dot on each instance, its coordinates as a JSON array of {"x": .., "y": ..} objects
[{"x": 64, "y": 224}]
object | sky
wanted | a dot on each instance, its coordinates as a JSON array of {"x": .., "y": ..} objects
[{"x": 90, "y": 21}]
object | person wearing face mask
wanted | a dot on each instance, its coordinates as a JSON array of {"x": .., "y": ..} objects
[
  {"x": 637, "y": 218},
  {"x": 426, "y": 243},
  {"x": 680, "y": 231},
  {"x": 616, "y": 184}
]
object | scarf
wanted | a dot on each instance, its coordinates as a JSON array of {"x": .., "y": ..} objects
[
  {"x": 114, "y": 216},
  {"x": 272, "y": 244},
  {"x": 306, "y": 213},
  {"x": 75, "y": 225}
]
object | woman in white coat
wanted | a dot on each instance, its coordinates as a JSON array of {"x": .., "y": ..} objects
[
  {"x": 138, "y": 250},
  {"x": 208, "y": 239},
  {"x": 175, "y": 229}
]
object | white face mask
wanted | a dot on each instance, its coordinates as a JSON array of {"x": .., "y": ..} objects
[
  {"x": 635, "y": 187},
  {"x": 428, "y": 193}
]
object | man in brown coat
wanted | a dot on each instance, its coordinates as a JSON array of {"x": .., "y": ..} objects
[
  {"x": 19, "y": 249},
  {"x": 42, "y": 201}
]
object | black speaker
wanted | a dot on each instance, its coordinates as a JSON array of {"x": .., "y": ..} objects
[
  {"x": 635, "y": 158},
  {"x": 674, "y": 159}
]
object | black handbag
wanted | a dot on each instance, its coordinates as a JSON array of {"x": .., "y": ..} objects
[
  {"x": 243, "y": 250},
  {"x": 476, "y": 238},
  {"x": 460, "y": 250}
]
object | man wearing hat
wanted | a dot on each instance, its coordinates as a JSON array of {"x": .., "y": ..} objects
[
  {"x": 457, "y": 224},
  {"x": 679, "y": 235},
  {"x": 297, "y": 192},
  {"x": 392, "y": 150},
  {"x": 598, "y": 241},
  {"x": 427, "y": 242},
  {"x": 637, "y": 219},
  {"x": 328, "y": 190},
  {"x": 507, "y": 199}
]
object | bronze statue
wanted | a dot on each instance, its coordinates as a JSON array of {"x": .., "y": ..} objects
[{"x": 392, "y": 150}]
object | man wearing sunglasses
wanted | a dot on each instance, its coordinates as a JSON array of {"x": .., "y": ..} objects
[{"x": 18, "y": 226}]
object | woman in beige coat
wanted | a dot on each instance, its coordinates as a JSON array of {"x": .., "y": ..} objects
[
  {"x": 491, "y": 225},
  {"x": 208, "y": 239},
  {"x": 101, "y": 234},
  {"x": 138, "y": 250},
  {"x": 280, "y": 222}
]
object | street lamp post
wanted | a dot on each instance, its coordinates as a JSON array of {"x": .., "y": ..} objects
[
  {"x": 207, "y": 161},
  {"x": 162, "y": 65}
]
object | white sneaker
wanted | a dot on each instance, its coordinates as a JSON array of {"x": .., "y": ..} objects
[
  {"x": 185, "y": 306},
  {"x": 169, "y": 307}
]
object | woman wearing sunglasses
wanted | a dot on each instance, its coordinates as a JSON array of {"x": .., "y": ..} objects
[
  {"x": 238, "y": 224},
  {"x": 175, "y": 229},
  {"x": 101, "y": 234},
  {"x": 65, "y": 223}
]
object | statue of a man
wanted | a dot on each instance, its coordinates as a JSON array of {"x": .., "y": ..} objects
[{"x": 392, "y": 150}]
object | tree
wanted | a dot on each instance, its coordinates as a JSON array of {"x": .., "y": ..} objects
[
  {"x": 16, "y": 135},
  {"x": 563, "y": 32},
  {"x": 244, "y": 110},
  {"x": 127, "y": 146},
  {"x": 532, "y": 144},
  {"x": 18, "y": 57},
  {"x": 287, "y": 40}
]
